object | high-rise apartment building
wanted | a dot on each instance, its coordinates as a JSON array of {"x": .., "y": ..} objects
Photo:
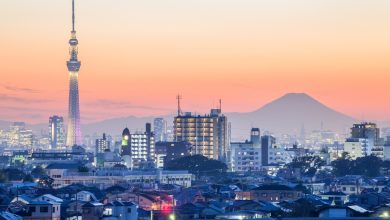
[
  {"x": 102, "y": 144},
  {"x": 56, "y": 132},
  {"x": 367, "y": 131},
  {"x": 365, "y": 140},
  {"x": 160, "y": 129},
  {"x": 246, "y": 156},
  {"x": 267, "y": 143},
  {"x": 138, "y": 149},
  {"x": 206, "y": 133}
]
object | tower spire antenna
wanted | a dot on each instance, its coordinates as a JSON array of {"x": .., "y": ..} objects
[
  {"x": 74, "y": 131},
  {"x": 73, "y": 17},
  {"x": 178, "y": 105}
]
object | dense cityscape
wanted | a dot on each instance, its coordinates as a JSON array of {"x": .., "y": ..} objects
[{"x": 190, "y": 166}]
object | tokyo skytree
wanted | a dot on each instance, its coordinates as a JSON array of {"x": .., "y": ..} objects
[{"x": 74, "y": 131}]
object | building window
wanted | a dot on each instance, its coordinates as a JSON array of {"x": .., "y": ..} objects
[
  {"x": 33, "y": 209},
  {"x": 129, "y": 210},
  {"x": 44, "y": 209}
]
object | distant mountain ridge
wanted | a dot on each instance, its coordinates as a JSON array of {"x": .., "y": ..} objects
[
  {"x": 285, "y": 115},
  {"x": 290, "y": 114}
]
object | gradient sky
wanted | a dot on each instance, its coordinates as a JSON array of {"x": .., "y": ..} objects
[{"x": 137, "y": 55}]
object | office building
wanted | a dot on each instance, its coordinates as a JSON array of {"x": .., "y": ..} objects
[
  {"x": 56, "y": 132},
  {"x": 160, "y": 129},
  {"x": 206, "y": 133}
]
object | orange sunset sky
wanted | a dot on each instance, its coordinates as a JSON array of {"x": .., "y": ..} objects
[{"x": 137, "y": 55}]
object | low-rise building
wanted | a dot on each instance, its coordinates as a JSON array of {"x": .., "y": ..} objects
[
  {"x": 275, "y": 193},
  {"x": 118, "y": 210},
  {"x": 103, "y": 178}
]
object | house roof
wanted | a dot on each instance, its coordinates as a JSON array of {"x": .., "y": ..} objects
[
  {"x": 92, "y": 204},
  {"x": 331, "y": 193},
  {"x": 52, "y": 198},
  {"x": 358, "y": 209},
  {"x": 274, "y": 187},
  {"x": 40, "y": 203},
  {"x": 63, "y": 166},
  {"x": 9, "y": 216}
]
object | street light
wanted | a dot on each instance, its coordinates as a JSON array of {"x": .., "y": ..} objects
[{"x": 172, "y": 217}]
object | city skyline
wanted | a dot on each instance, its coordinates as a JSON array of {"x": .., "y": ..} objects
[{"x": 234, "y": 52}]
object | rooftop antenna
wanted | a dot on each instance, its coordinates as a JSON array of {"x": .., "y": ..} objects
[
  {"x": 178, "y": 105},
  {"x": 73, "y": 18},
  {"x": 220, "y": 105}
]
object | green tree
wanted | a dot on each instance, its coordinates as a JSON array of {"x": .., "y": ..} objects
[
  {"x": 83, "y": 169},
  {"x": 28, "y": 178},
  {"x": 38, "y": 171},
  {"x": 341, "y": 166},
  {"x": 197, "y": 164},
  {"x": 308, "y": 165},
  {"x": 14, "y": 174},
  {"x": 366, "y": 166},
  {"x": 3, "y": 176}
]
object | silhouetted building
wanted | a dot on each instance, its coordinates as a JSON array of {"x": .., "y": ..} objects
[
  {"x": 167, "y": 151},
  {"x": 366, "y": 131},
  {"x": 267, "y": 142},
  {"x": 56, "y": 132}
]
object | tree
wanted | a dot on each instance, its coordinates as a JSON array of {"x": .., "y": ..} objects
[
  {"x": 197, "y": 164},
  {"x": 14, "y": 174},
  {"x": 28, "y": 178},
  {"x": 46, "y": 181},
  {"x": 341, "y": 166},
  {"x": 83, "y": 169},
  {"x": 366, "y": 166},
  {"x": 3, "y": 176},
  {"x": 308, "y": 165},
  {"x": 38, "y": 171},
  {"x": 120, "y": 166}
]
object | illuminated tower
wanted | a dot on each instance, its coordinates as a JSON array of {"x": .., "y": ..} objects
[{"x": 74, "y": 132}]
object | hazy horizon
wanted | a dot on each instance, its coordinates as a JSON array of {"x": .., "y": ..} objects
[{"x": 137, "y": 56}]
